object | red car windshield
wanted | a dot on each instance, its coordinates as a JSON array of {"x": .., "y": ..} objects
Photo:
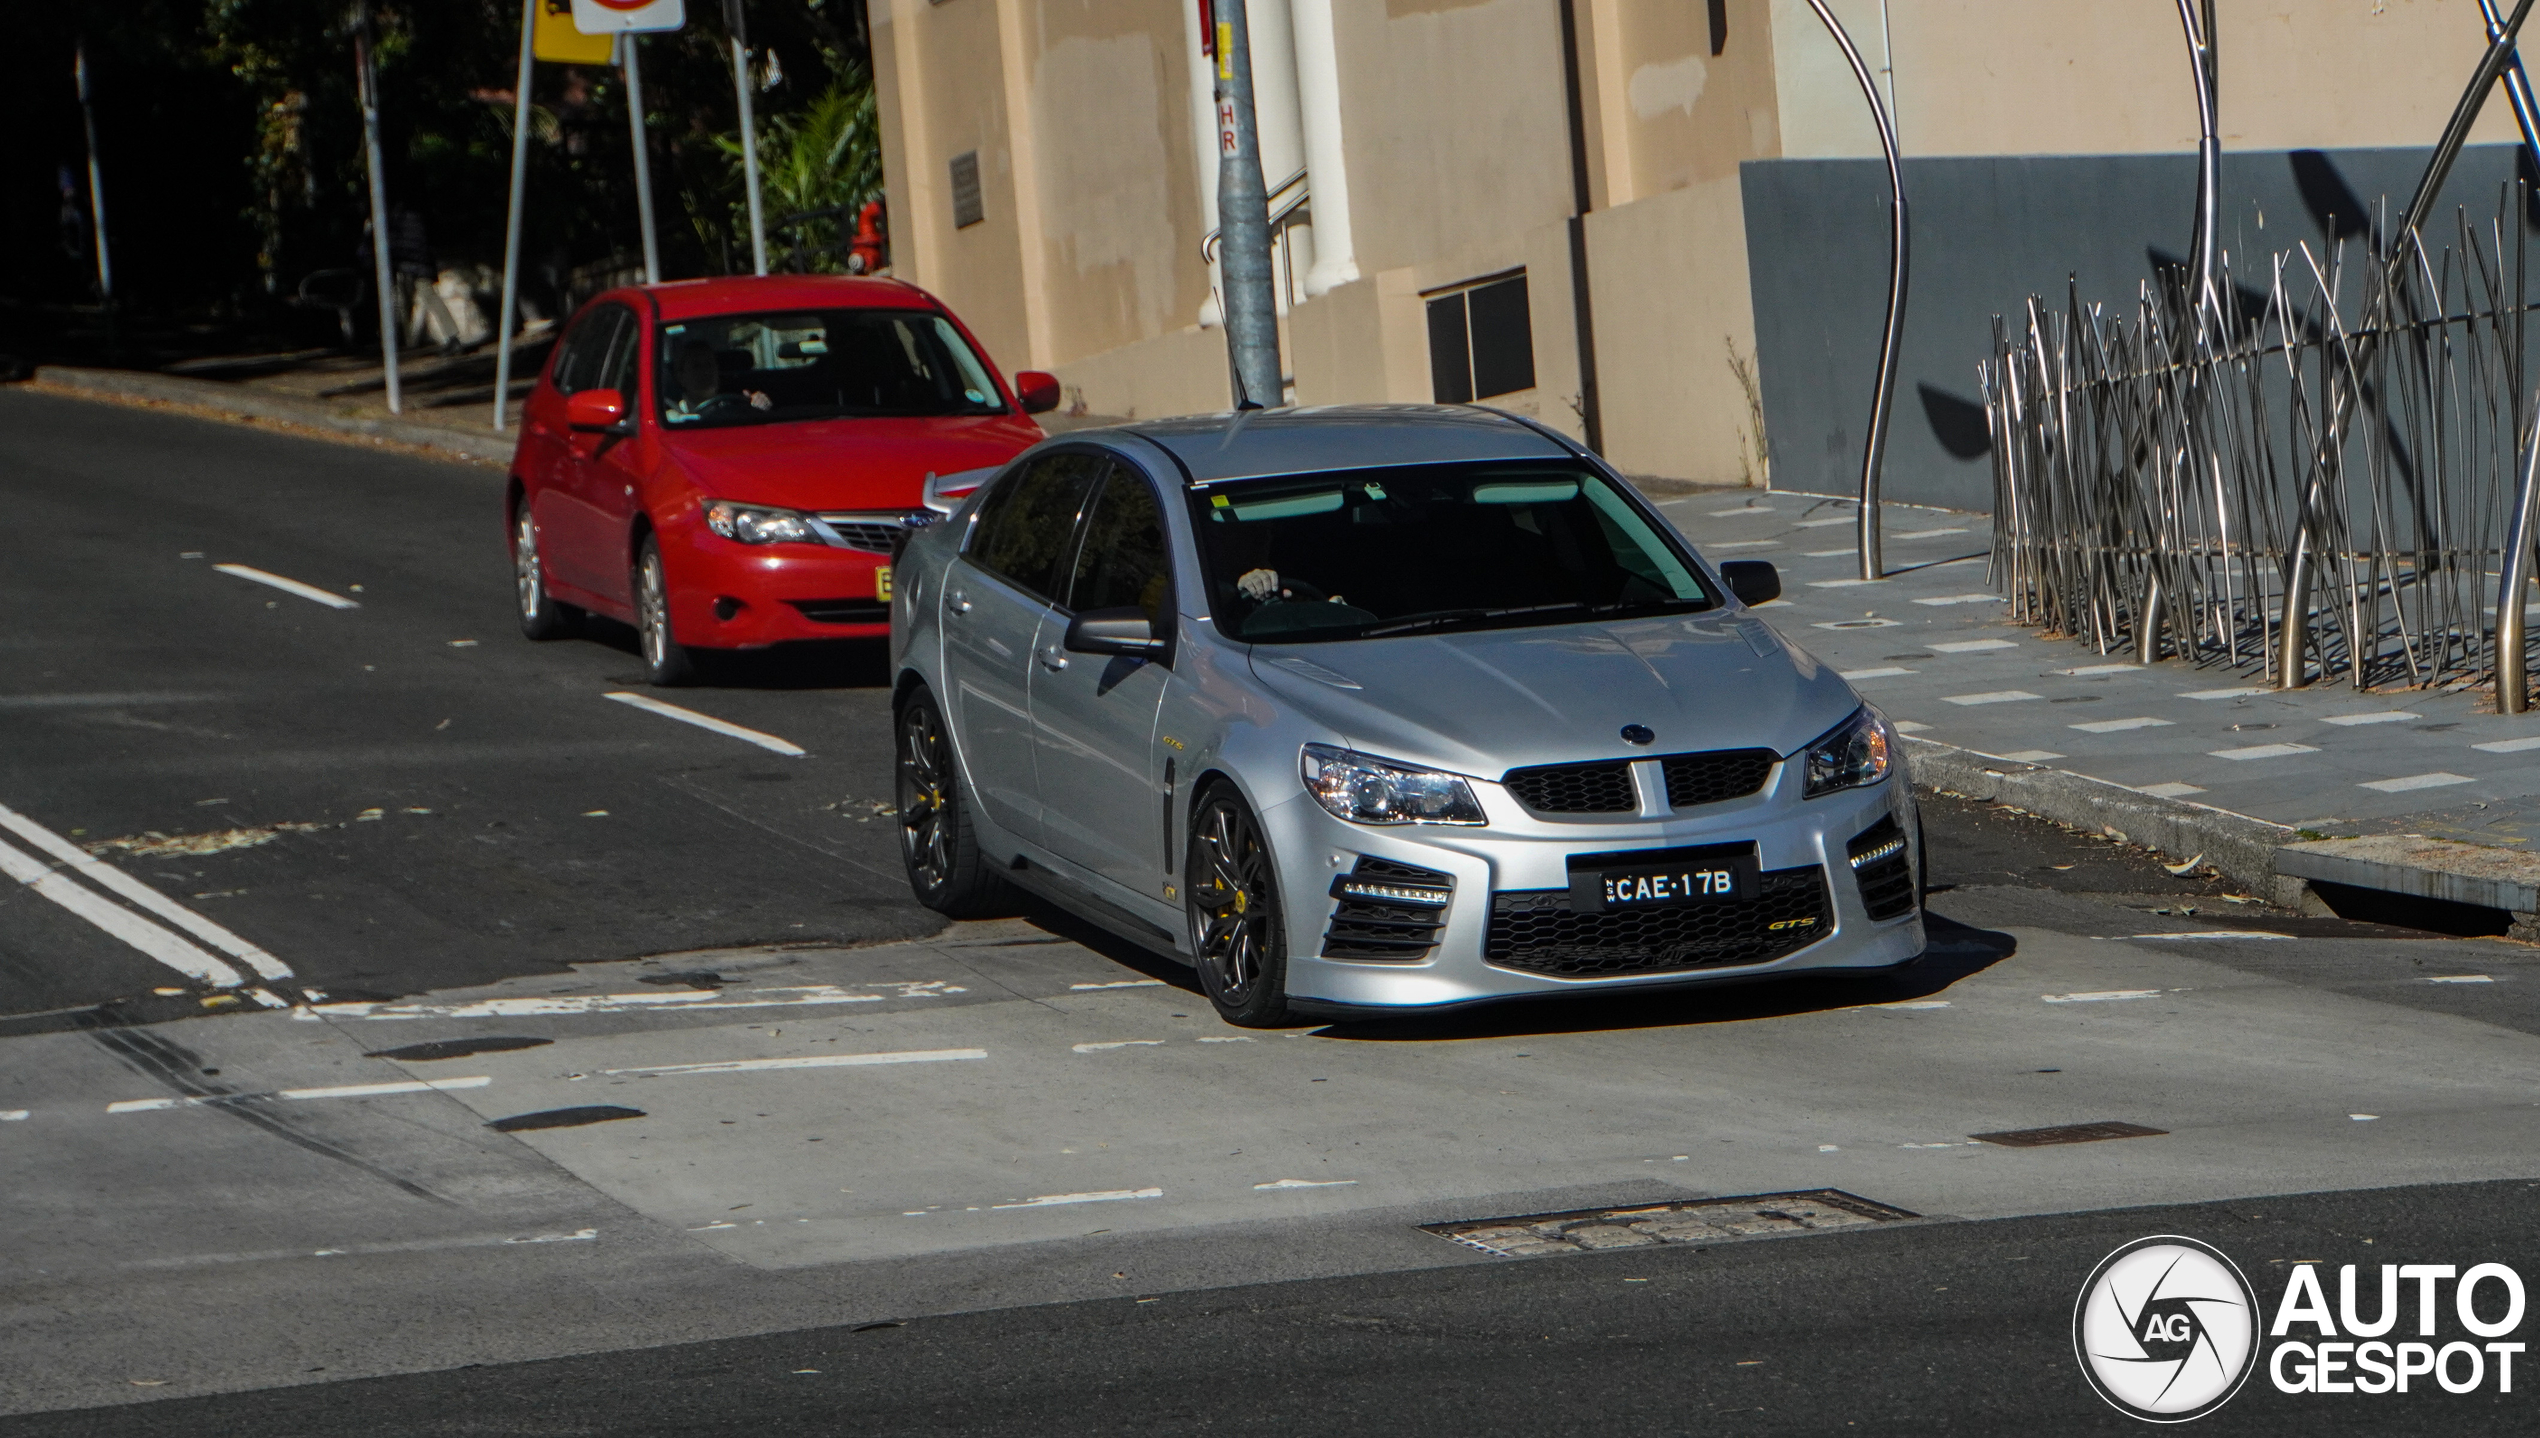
[{"x": 817, "y": 364}]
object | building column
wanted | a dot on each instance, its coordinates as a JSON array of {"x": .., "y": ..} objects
[{"x": 1318, "y": 84}]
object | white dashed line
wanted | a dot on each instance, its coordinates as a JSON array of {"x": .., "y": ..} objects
[
  {"x": 2119, "y": 726},
  {"x": 1741, "y": 511},
  {"x": 569, "y": 1004},
  {"x": 2210, "y": 934},
  {"x": 1842, "y": 583},
  {"x": 2088, "y": 670},
  {"x": 1889, "y": 672},
  {"x": 359, "y": 1090},
  {"x": 13, "y": 1115},
  {"x": 2363, "y": 1117},
  {"x": 2210, "y": 693},
  {"x": 1927, "y": 533},
  {"x": 1972, "y": 646},
  {"x": 2508, "y": 746},
  {"x": 1119, "y": 1044},
  {"x": 1304, "y": 1183},
  {"x": 1745, "y": 544},
  {"x": 2101, "y": 996},
  {"x": 2029, "y": 756},
  {"x": 1997, "y": 696},
  {"x": 2439, "y": 979},
  {"x": 1122, "y": 984},
  {"x": 1963, "y": 599},
  {"x": 2403, "y": 785},
  {"x": 1822, "y": 523},
  {"x": 1828, "y": 553},
  {"x": 708, "y": 722},
  {"x": 2262, "y": 751},
  {"x": 1909, "y": 1004},
  {"x": 289, "y": 586},
  {"x": 807, "y": 1061},
  {"x": 2386, "y": 716},
  {"x": 1907, "y": 726},
  {"x": 2168, "y": 791},
  {"x": 1052, "y": 1200}
]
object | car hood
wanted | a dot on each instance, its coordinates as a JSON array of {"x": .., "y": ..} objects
[
  {"x": 844, "y": 463},
  {"x": 1484, "y": 703}
]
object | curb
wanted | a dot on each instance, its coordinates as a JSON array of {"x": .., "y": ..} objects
[
  {"x": 2241, "y": 848},
  {"x": 231, "y": 400}
]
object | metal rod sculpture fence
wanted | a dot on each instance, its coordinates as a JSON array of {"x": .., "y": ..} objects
[{"x": 2324, "y": 468}]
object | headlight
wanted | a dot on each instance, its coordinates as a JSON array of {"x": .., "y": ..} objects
[
  {"x": 1853, "y": 753},
  {"x": 1373, "y": 791},
  {"x": 756, "y": 524}
]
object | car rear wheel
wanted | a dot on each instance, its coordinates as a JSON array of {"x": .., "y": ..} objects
[
  {"x": 1232, "y": 899},
  {"x": 541, "y": 617},
  {"x": 945, "y": 867},
  {"x": 667, "y": 662}
]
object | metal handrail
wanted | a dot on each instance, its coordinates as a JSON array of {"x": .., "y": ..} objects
[{"x": 1279, "y": 212}]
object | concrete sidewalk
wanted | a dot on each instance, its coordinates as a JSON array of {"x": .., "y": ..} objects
[{"x": 2187, "y": 759}]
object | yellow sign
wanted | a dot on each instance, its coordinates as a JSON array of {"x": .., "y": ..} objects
[
  {"x": 556, "y": 40},
  {"x": 882, "y": 582}
]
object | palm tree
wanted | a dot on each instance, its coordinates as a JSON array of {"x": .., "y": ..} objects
[{"x": 817, "y": 167}]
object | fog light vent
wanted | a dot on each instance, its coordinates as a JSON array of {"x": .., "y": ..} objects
[
  {"x": 1387, "y": 912},
  {"x": 1884, "y": 867}
]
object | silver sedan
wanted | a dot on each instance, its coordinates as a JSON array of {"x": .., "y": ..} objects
[{"x": 1377, "y": 709}]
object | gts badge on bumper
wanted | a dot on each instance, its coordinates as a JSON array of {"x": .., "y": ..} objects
[{"x": 1783, "y": 924}]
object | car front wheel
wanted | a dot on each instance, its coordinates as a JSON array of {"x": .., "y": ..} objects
[
  {"x": 667, "y": 662},
  {"x": 1232, "y": 899}
]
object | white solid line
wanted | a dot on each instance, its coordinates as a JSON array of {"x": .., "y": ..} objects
[
  {"x": 2118, "y": 726},
  {"x": 2168, "y": 791},
  {"x": 2509, "y": 746},
  {"x": 1997, "y": 696},
  {"x": 2436, "y": 780},
  {"x": 809, "y": 1061},
  {"x": 1889, "y": 672},
  {"x": 1052, "y": 1200},
  {"x": 708, "y": 721},
  {"x": 2087, "y": 670},
  {"x": 2263, "y": 751},
  {"x": 2205, "y": 693},
  {"x": 771, "y": 998},
  {"x": 290, "y": 586},
  {"x": 108, "y": 877},
  {"x": 122, "y": 923},
  {"x": 1120, "y": 1044},
  {"x": 1122, "y": 984},
  {"x": 359, "y": 1090},
  {"x": 1972, "y": 646},
  {"x": 1963, "y": 599},
  {"x": 2100, "y": 996},
  {"x": 2387, "y": 716},
  {"x": 2030, "y": 756},
  {"x": 2442, "y": 979},
  {"x": 1305, "y": 1183}
]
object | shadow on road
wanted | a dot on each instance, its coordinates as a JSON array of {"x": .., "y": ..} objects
[{"x": 805, "y": 664}]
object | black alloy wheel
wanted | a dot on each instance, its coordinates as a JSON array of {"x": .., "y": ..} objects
[
  {"x": 541, "y": 617},
  {"x": 945, "y": 868},
  {"x": 1237, "y": 935},
  {"x": 667, "y": 662}
]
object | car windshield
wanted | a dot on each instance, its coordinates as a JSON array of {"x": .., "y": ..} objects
[
  {"x": 1366, "y": 554},
  {"x": 817, "y": 364}
]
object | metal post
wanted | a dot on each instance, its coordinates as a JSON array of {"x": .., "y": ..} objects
[
  {"x": 2200, "y": 57},
  {"x": 511, "y": 226},
  {"x": 1874, "y": 449},
  {"x": 643, "y": 157},
  {"x": 96, "y": 176},
  {"x": 2517, "y": 85},
  {"x": 1582, "y": 308},
  {"x": 1243, "y": 222},
  {"x": 368, "y": 80},
  {"x": 749, "y": 132}
]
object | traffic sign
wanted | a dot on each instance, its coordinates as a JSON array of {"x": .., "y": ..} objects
[
  {"x": 555, "y": 39},
  {"x": 642, "y": 17}
]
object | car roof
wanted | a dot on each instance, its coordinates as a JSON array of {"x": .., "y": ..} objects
[
  {"x": 1255, "y": 443},
  {"x": 735, "y": 294}
]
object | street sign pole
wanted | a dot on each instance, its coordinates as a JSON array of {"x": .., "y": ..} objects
[
  {"x": 367, "y": 79},
  {"x": 96, "y": 177},
  {"x": 511, "y": 225},
  {"x": 643, "y": 157},
  {"x": 1243, "y": 221},
  {"x": 749, "y": 132}
]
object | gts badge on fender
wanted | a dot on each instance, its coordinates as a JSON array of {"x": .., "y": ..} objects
[{"x": 1791, "y": 924}]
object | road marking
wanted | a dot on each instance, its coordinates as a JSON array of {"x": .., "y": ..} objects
[
  {"x": 12, "y": 1115},
  {"x": 1122, "y": 984},
  {"x": 1996, "y": 696},
  {"x": 1972, "y": 646},
  {"x": 2363, "y": 1117},
  {"x": 2212, "y": 693},
  {"x": 1305, "y": 1183},
  {"x": 1888, "y": 673},
  {"x": 2118, "y": 726},
  {"x": 2030, "y": 756},
  {"x": 2210, "y": 934},
  {"x": 2100, "y": 996},
  {"x": 358, "y": 1090},
  {"x": 1907, "y": 726},
  {"x": 1866, "y": 622},
  {"x": 769, "y": 998},
  {"x": 197, "y": 964},
  {"x": 1963, "y": 599},
  {"x": 289, "y": 586},
  {"x": 2263, "y": 751},
  {"x": 1926, "y": 533},
  {"x": 2088, "y": 670},
  {"x": 411, "y": 1245},
  {"x": 2441, "y": 979},
  {"x": 1746, "y": 544},
  {"x": 1120, "y": 1044},
  {"x": 2168, "y": 791},
  {"x": 1822, "y": 523},
  {"x": 2509, "y": 746},
  {"x": 101, "y": 701},
  {"x": 808, "y": 1061},
  {"x": 1052, "y": 1200},
  {"x": 2386, "y": 716},
  {"x": 1909, "y": 1004},
  {"x": 1828, "y": 553},
  {"x": 106, "y": 876},
  {"x": 1227, "y": 1039},
  {"x": 707, "y": 721},
  {"x": 1842, "y": 583},
  {"x": 2435, "y": 780},
  {"x": 1743, "y": 509}
]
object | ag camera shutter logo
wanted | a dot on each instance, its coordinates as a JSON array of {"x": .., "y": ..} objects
[{"x": 2166, "y": 1329}]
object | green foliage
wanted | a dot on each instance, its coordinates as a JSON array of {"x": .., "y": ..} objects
[{"x": 817, "y": 167}]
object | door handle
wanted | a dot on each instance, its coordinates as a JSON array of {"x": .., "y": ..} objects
[
  {"x": 957, "y": 603},
  {"x": 1053, "y": 657}
]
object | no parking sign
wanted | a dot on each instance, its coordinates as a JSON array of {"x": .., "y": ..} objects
[{"x": 612, "y": 17}]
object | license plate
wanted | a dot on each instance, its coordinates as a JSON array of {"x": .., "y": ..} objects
[
  {"x": 1711, "y": 874},
  {"x": 882, "y": 581}
]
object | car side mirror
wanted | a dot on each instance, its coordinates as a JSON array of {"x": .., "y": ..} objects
[
  {"x": 1037, "y": 390},
  {"x": 1753, "y": 581},
  {"x": 1113, "y": 631},
  {"x": 597, "y": 411}
]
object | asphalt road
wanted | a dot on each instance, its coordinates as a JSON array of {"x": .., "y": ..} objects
[{"x": 677, "y": 1117}]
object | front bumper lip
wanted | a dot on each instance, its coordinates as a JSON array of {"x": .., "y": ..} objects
[{"x": 767, "y": 580}]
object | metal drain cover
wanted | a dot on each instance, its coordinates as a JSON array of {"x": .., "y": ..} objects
[
  {"x": 1701, "y": 1221},
  {"x": 2069, "y": 1133}
]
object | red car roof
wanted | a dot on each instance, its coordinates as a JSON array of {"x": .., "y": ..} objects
[{"x": 692, "y": 299}]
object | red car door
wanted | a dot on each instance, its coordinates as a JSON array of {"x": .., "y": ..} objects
[
  {"x": 609, "y": 487},
  {"x": 580, "y": 550}
]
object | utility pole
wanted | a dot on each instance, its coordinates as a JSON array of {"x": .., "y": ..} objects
[
  {"x": 1243, "y": 222},
  {"x": 643, "y": 157},
  {"x": 367, "y": 78},
  {"x": 96, "y": 177},
  {"x": 749, "y": 131},
  {"x": 511, "y": 225}
]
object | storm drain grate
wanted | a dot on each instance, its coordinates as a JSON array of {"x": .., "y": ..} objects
[
  {"x": 1702, "y": 1221},
  {"x": 2069, "y": 1133}
]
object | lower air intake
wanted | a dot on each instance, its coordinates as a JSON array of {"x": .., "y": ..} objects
[
  {"x": 1387, "y": 912},
  {"x": 1536, "y": 930},
  {"x": 1884, "y": 868}
]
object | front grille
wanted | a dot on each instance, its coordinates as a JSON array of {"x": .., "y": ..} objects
[
  {"x": 844, "y": 611},
  {"x": 1536, "y": 930},
  {"x": 1388, "y": 912},
  {"x": 1721, "y": 774},
  {"x": 1884, "y": 868},
  {"x": 871, "y": 533},
  {"x": 1575, "y": 788}
]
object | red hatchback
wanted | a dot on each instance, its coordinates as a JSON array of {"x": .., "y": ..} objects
[{"x": 724, "y": 463}]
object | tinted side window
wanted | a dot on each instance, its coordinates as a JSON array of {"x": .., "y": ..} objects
[
  {"x": 586, "y": 350},
  {"x": 617, "y": 372},
  {"x": 1026, "y": 524},
  {"x": 1122, "y": 563}
]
